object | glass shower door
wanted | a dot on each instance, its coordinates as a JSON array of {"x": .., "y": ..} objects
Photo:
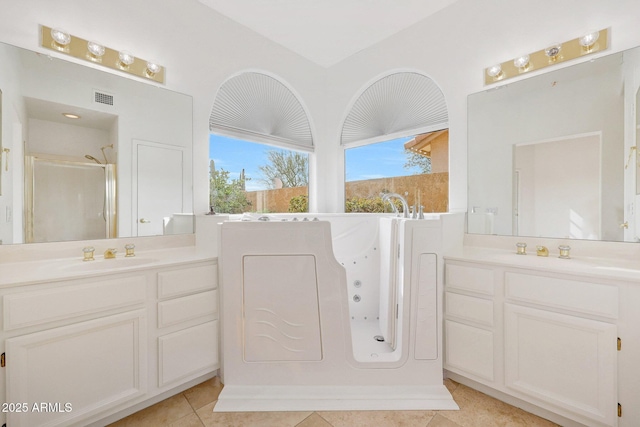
[{"x": 70, "y": 201}]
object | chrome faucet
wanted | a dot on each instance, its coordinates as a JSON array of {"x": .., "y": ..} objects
[{"x": 386, "y": 197}]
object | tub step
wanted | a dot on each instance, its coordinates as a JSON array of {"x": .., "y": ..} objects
[{"x": 333, "y": 398}]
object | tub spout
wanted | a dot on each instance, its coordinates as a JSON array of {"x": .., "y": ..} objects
[{"x": 405, "y": 206}]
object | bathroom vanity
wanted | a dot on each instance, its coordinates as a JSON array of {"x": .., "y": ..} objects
[
  {"x": 542, "y": 333},
  {"x": 81, "y": 341}
]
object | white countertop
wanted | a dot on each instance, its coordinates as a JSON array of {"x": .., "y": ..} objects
[
  {"x": 604, "y": 268},
  {"x": 38, "y": 271}
]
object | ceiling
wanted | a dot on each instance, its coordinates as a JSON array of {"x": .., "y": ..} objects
[{"x": 327, "y": 31}]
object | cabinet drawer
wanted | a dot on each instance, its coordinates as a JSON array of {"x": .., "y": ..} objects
[
  {"x": 186, "y": 308},
  {"x": 585, "y": 297},
  {"x": 469, "y": 349},
  {"x": 187, "y": 281},
  {"x": 468, "y": 278},
  {"x": 469, "y": 308},
  {"x": 188, "y": 353},
  {"x": 48, "y": 305}
]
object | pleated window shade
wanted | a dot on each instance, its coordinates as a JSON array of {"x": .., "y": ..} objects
[
  {"x": 260, "y": 107},
  {"x": 398, "y": 103}
]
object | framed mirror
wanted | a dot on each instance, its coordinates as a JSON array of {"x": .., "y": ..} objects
[
  {"x": 104, "y": 155},
  {"x": 555, "y": 155}
]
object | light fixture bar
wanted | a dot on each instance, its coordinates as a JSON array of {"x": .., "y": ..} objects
[
  {"x": 85, "y": 49},
  {"x": 551, "y": 55}
]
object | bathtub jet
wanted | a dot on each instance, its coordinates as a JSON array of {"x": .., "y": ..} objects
[{"x": 343, "y": 313}]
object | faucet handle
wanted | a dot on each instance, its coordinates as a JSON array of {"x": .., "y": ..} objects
[
  {"x": 87, "y": 252},
  {"x": 129, "y": 248}
]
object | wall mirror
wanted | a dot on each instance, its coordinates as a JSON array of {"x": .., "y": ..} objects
[
  {"x": 555, "y": 155},
  {"x": 92, "y": 154}
]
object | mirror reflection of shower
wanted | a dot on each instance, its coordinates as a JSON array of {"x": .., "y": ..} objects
[
  {"x": 69, "y": 200},
  {"x": 70, "y": 172},
  {"x": 104, "y": 156}
]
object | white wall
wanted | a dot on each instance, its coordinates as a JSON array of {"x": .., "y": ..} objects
[{"x": 201, "y": 48}]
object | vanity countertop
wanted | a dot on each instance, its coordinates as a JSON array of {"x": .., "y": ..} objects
[
  {"x": 589, "y": 267},
  {"x": 39, "y": 271}
]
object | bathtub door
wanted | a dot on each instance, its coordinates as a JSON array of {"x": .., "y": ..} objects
[{"x": 389, "y": 251}]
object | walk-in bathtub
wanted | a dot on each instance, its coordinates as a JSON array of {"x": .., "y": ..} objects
[{"x": 333, "y": 312}]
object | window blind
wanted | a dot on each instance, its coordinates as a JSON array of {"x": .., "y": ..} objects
[
  {"x": 400, "y": 102},
  {"x": 255, "y": 104}
]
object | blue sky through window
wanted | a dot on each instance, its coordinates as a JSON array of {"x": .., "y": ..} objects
[{"x": 385, "y": 159}]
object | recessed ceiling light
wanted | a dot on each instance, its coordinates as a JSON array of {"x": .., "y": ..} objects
[{"x": 71, "y": 116}]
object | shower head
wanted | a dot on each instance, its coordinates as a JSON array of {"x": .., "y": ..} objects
[
  {"x": 90, "y": 157},
  {"x": 104, "y": 155}
]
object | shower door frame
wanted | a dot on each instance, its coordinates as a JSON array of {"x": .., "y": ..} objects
[{"x": 110, "y": 211}]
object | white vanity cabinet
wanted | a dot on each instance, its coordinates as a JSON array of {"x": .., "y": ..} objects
[
  {"x": 187, "y": 323},
  {"x": 548, "y": 339},
  {"x": 80, "y": 350}
]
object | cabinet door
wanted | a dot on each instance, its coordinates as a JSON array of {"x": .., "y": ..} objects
[
  {"x": 567, "y": 362},
  {"x": 65, "y": 375}
]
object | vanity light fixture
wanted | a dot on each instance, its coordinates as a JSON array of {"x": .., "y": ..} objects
[
  {"x": 125, "y": 59},
  {"x": 592, "y": 42},
  {"x": 522, "y": 63},
  {"x": 553, "y": 52},
  {"x": 153, "y": 68},
  {"x": 589, "y": 40},
  {"x": 61, "y": 41},
  {"x": 495, "y": 71},
  {"x": 96, "y": 51},
  {"x": 71, "y": 116}
]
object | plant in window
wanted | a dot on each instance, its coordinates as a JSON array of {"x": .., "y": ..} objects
[
  {"x": 289, "y": 167},
  {"x": 228, "y": 195}
]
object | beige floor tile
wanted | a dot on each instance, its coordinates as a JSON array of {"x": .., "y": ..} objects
[
  {"x": 451, "y": 385},
  {"x": 479, "y": 410},
  {"x": 204, "y": 393},
  {"x": 314, "y": 420},
  {"x": 249, "y": 419},
  {"x": 160, "y": 414},
  {"x": 191, "y": 420},
  {"x": 378, "y": 418},
  {"x": 440, "y": 421}
]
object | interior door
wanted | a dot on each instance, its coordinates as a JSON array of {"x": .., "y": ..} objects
[{"x": 159, "y": 188}]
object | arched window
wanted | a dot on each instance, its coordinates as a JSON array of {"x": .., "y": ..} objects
[
  {"x": 259, "y": 144},
  {"x": 397, "y": 141}
]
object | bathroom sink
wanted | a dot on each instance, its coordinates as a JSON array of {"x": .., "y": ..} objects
[{"x": 108, "y": 264}]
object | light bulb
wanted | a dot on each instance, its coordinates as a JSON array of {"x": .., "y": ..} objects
[
  {"x": 153, "y": 68},
  {"x": 589, "y": 39},
  {"x": 494, "y": 71},
  {"x": 126, "y": 58},
  {"x": 521, "y": 62},
  {"x": 60, "y": 36},
  {"x": 95, "y": 49},
  {"x": 553, "y": 51}
]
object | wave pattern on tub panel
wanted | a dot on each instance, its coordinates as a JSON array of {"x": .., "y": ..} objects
[{"x": 281, "y": 317}]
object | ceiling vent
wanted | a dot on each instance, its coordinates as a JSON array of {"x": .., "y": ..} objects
[{"x": 100, "y": 97}]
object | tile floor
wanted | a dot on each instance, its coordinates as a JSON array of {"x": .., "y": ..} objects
[{"x": 194, "y": 408}]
